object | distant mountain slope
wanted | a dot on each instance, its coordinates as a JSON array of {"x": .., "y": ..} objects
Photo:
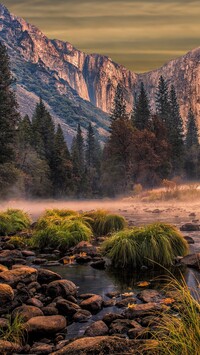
[{"x": 80, "y": 87}]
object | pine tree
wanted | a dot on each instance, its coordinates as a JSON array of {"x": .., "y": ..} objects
[
  {"x": 119, "y": 105},
  {"x": 192, "y": 137},
  {"x": 141, "y": 111},
  {"x": 175, "y": 133},
  {"x": 9, "y": 117},
  {"x": 162, "y": 100},
  {"x": 61, "y": 166},
  {"x": 78, "y": 163}
]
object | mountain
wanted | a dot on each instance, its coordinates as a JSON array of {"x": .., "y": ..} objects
[{"x": 78, "y": 87}]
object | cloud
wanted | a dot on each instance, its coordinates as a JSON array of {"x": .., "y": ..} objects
[{"x": 139, "y": 34}]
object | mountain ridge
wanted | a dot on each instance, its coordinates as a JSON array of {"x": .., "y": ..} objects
[{"x": 79, "y": 87}]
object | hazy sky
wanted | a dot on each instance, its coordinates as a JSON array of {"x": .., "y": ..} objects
[{"x": 140, "y": 34}]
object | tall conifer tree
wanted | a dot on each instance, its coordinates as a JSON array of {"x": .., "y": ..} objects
[
  {"x": 141, "y": 111},
  {"x": 119, "y": 105}
]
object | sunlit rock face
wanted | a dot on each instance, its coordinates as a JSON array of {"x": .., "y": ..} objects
[{"x": 77, "y": 87}]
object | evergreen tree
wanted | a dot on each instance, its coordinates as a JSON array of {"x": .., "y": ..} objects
[
  {"x": 78, "y": 163},
  {"x": 61, "y": 166},
  {"x": 175, "y": 133},
  {"x": 192, "y": 137},
  {"x": 162, "y": 100},
  {"x": 141, "y": 111},
  {"x": 119, "y": 105}
]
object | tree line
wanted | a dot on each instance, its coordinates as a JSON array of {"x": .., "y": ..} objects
[{"x": 145, "y": 148}]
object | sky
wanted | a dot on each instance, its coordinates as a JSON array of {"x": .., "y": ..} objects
[{"x": 140, "y": 34}]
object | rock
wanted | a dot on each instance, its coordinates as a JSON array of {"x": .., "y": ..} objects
[
  {"x": 26, "y": 312},
  {"x": 83, "y": 259},
  {"x": 52, "y": 263},
  {"x": 92, "y": 304},
  {"x": 113, "y": 294},
  {"x": 24, "y": 274},
  {"x": 125, "y": 302},
  {"x": 85, "y": 247},
  {"x": 67, "y": 308},
  {"x": 46, "y": 325},
  {"x": 6, "y": 294},
  {"x": 34, "y": 285},
  {"x": 4, "y": 323},
  {"x": 3, "y": 268},
  {"x": 28, "y": 253},
  {"x": 9, "y": 257},
  {"x": 81, "y": 316},
  {"x": 46, "y": 276},
  {"x": 191, "y": 260},
  {"x": 122, "y": 326},
  {"x": 39, "y": 261},
  {"x": 34, "y": 302},
  {"x": 98, "y": 345},
  {"x": 137, "y": 332},
  {"x": 149, "y": 296},
  {"x": 8, "y": 348},
  {"x": 40, "y": 349},
  {"x": 111, "y": 317},
  {"x": 192, "y": 214},
  {"x": 96, "y": 329},
  {"x": 62, "y": 288},
  {"x": 141, "y": 310},
  {"x": 188, "y": 239},
  {"x": 190, "y": 227},
  {"x": 50, "y": 310},
  {"x": 100, "y": 264},
  {"x": 61, "y": 344},
  {"x": 85, "y": 296},
  {"x": 109, "y": 303}
]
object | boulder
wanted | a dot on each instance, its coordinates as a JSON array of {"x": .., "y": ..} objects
[
  {"x": 190, "y": 227},
  {"x": 8, "y": 348},
  {"x": 81, "y": 316},
  {"x": 97, "y": 329},
  {"x": 9, "y": 257},
  {"x": 125, "y": 302},
  {"x": 149, "y": 296},
  {"x": 28, "y": 253},
  {"x": 3, "y": 268},
  {"x": 27, "y": 312},
  {"x": 23, "y": 274},
  {"x": 85, "y": 247},
  {"x": 46, "y": 276},
  {"x": 122, "y": 326},
  {"x": 41, "y": 349},
  {"x": 189, "y": 240},
  {"x": 63, "y": 288},
  {"x": 34, "y": 302},
  {"x": 141, "y": 310},
  {"x": 99, "y": 265},
  {"x": 191, "y": 260},
  {"x": 4, "y": 323},
  {"x": 6, "y": 294},
  {"x": 111, "y": 317},
  {"x": 98, "y": 345},
  {"x": 67, "y": 308},
  {"x": 92, "y": 304},
  {"x": 45, "y": 325},
  {"x": 50, "y": 310}
]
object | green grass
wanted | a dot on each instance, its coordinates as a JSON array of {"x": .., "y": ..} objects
[
  {"x": 13, "y": 221},
  {"x": 15, "y": 331},
  {"x": 156, "y": 243},
  {"x": 178, "y": 333},
  {"x": 18, "y": 242},
  {"x": 104, "y": 223}
]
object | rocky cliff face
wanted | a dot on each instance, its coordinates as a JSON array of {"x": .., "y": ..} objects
[{"x": 80, "y": 87}]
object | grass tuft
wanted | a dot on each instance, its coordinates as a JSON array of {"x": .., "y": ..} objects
[
  {"x": 14, "y": 332},
  {"x": 104, "y": 223},
  {"x": 13, "y": 221}
]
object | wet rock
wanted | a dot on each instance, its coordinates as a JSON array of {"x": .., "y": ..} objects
[
  {"x": 50, "y": 310},
  {"x": 52, "y": 263},
  {"x": 8, "y": 348},
  {"x": 92, "y": 304},
  {"x": 98, "y": 345},
  {"x": 190, "y": 227},
  {"x": 125, "y": 302},
  {"x": 46, "y": 276},
  {"x": 28, "y": 253},
  {"x": 111, "y": 317},
  {"x": 113, "y": 294},
  {"x": 9, "y": 257},
  {"x": 141, "y": 310},
  {"x": 26, "y": 312},
  {"x": 40, "y": 349},
  {"x": 85, "y": 296},
  {"x": 137, "y": 332},
  {"x": 122, "y": 326},
  {"x": 83, "y": 259},
  {"x": 34, "y": 302},
  {"x": 61, "y": 344},
  {"x": 4, "y": 323},
  {"x": 188, "y": 239},
  {"x": 39, "y": 261},
  {"x": 3, "y": 268},
  {"x": 97, "y": 329},
  {"x": 191, "y": 260},
  {"x": 149, "y": 296},
  {"x": 46, "y": 325},
  {"x": 63, "y": 288},
  {"x": 34, "y": 285},
  {"x": 67, "y": 308},
  {"x": 81, "y": 316},
  {"x": 85, "y": 247},
  {"x": 24, "y": 274},
  {"x": 99, "y": 265},
  {"x": 6, "y": 294},
  {"x": 109, "y": 303}
]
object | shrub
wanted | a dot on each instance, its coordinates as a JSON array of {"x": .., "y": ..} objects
[
  {"x": 156, "y": 243},
  {"x": 104, "y": 223},
  {"x": 13, "y": 221},
  {"x": 178, "y": 333}
]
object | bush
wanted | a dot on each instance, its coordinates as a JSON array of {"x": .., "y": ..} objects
[
  {"x": 13, "y": 221},
  {"x": 104, "y": 223},
  {"x": 178, "y": 333},
  {"x": 62, "y": 235},
  {"x": 156, "y": 243}
]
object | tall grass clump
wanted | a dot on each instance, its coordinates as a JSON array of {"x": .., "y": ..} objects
[
  {"x": 14, "y": 331},
  {"x": 178, "y": 333},
  {"x": 13, "y": 221},
  {"x": 156, "y": 243},
  {"x": 103, "y": 223}
]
